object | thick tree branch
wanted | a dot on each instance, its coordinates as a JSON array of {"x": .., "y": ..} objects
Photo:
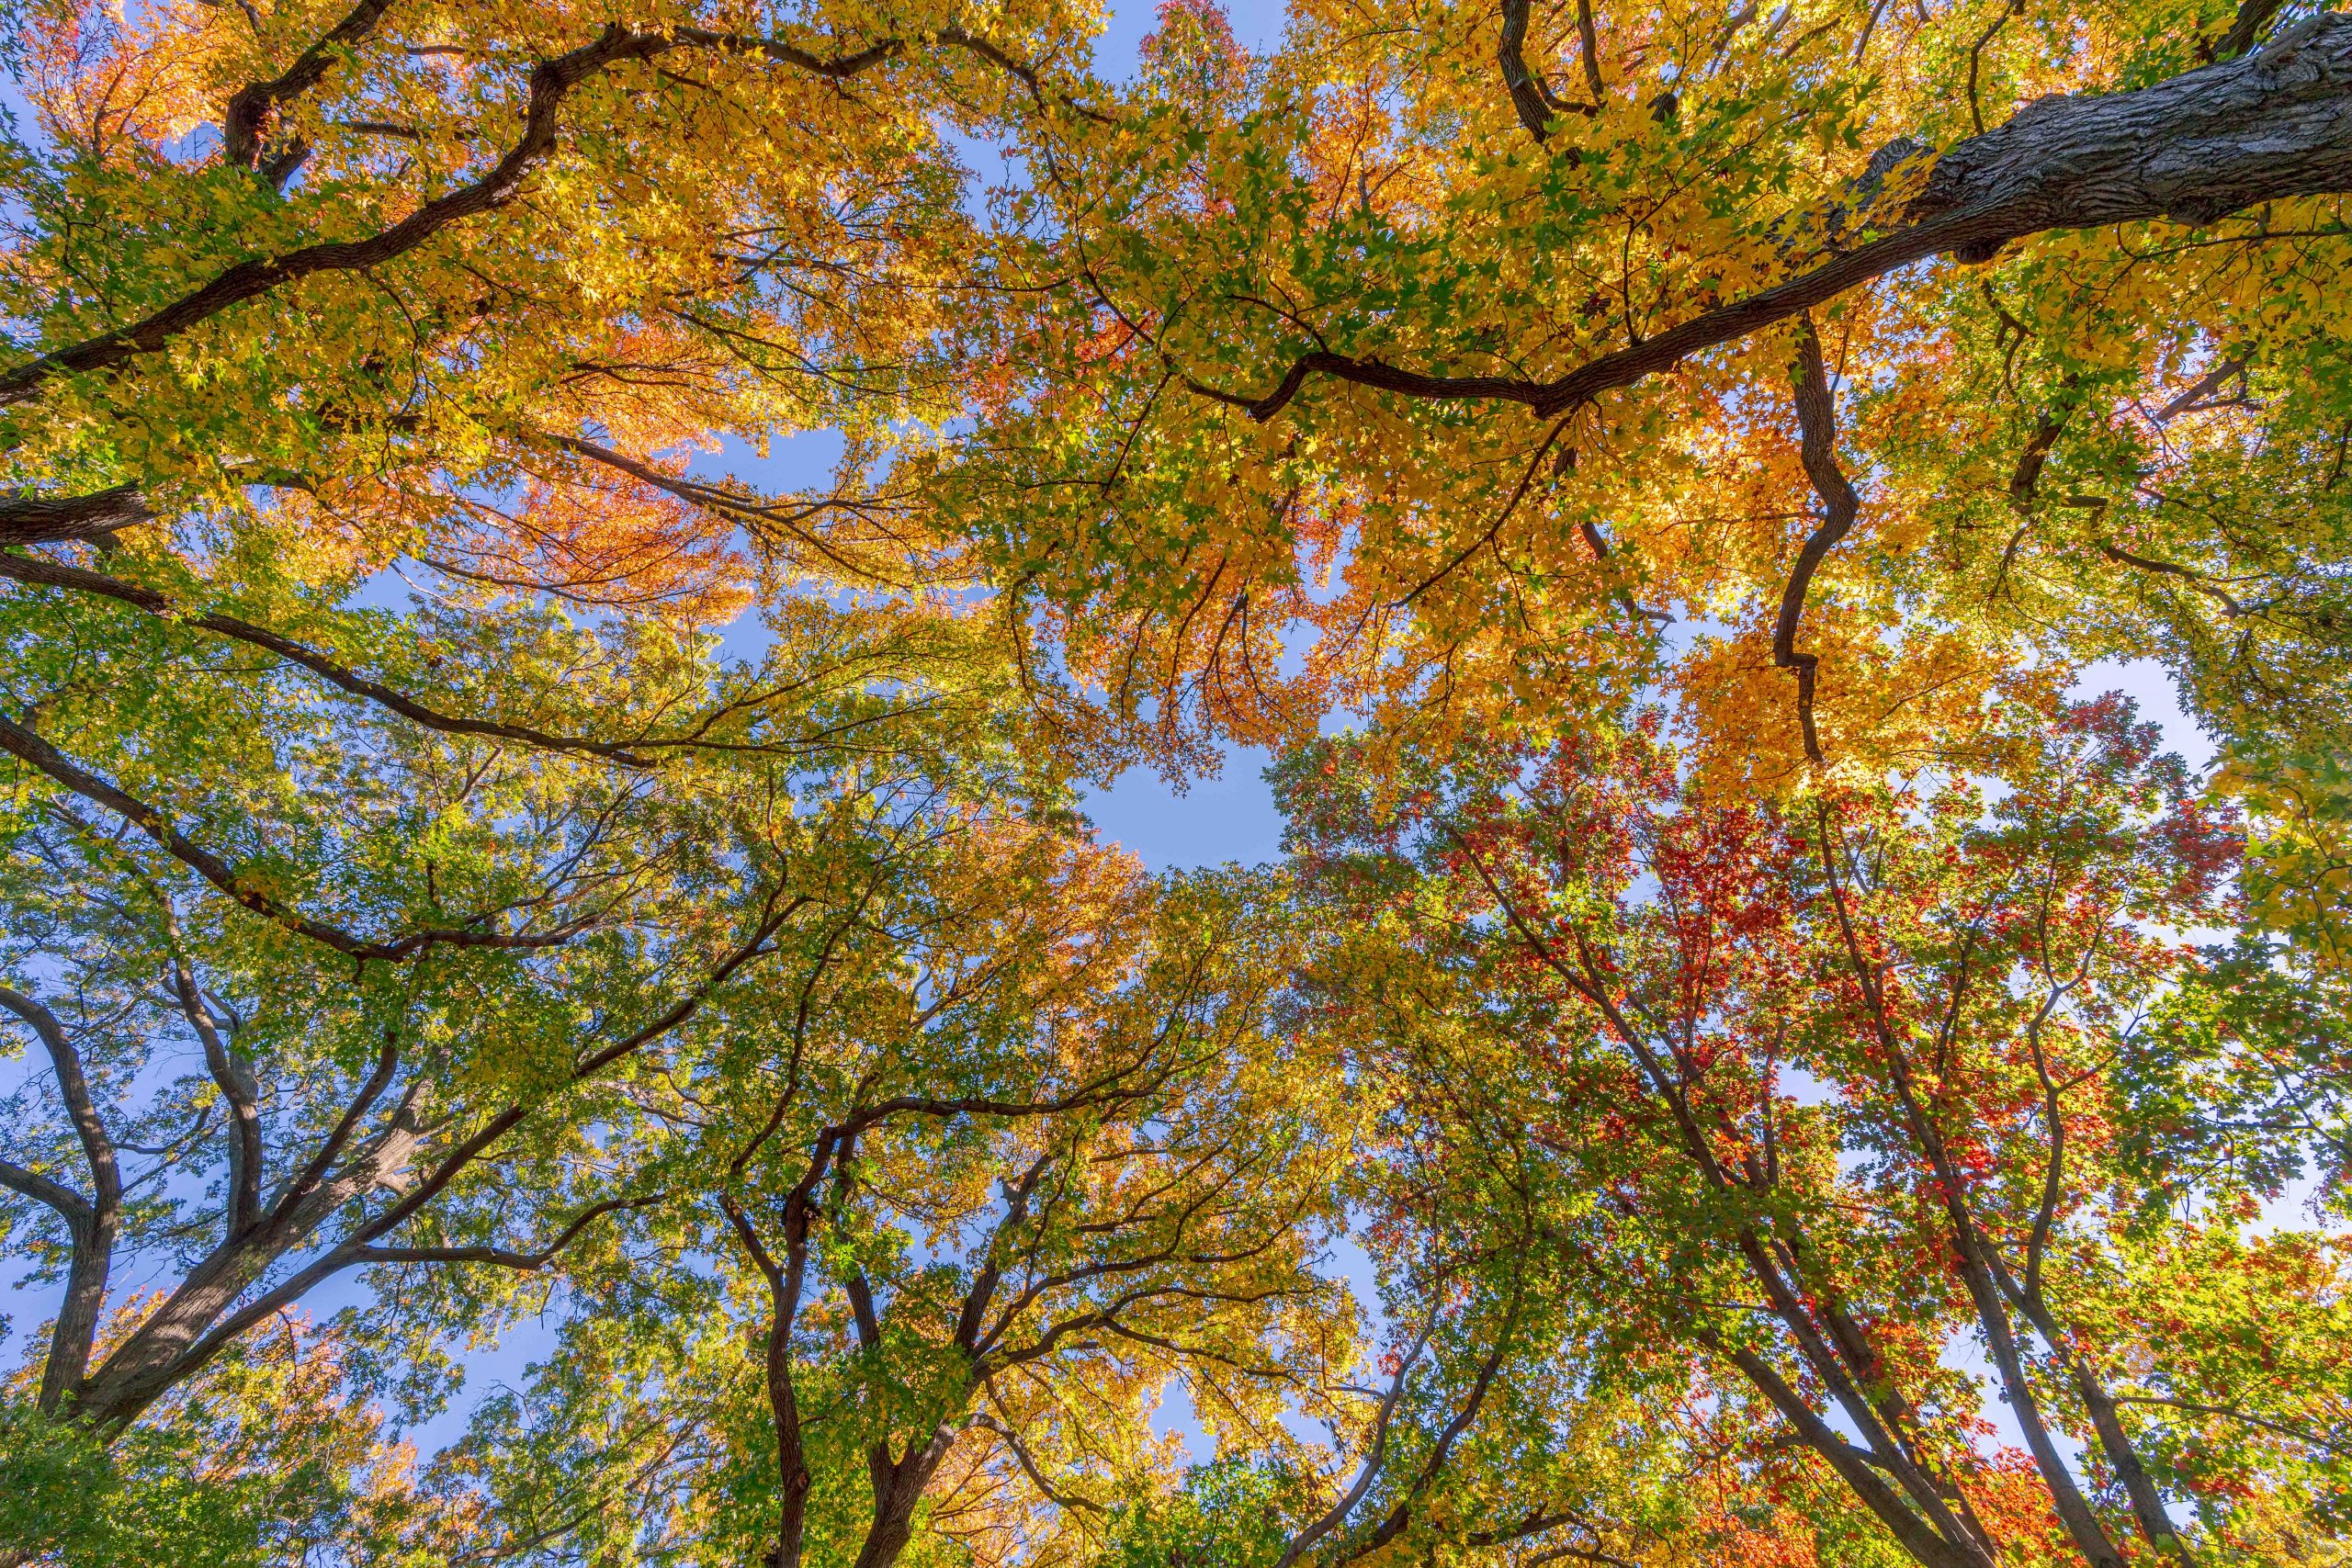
[
  {"x": 47, "y": 519},
  {"x": 551, "y": 82},
  {"x": 837, "y": 68},
  {"x": 1855, "y": 1466},
  {"x": 189, "y": 1329},
  {"x": 93, "y": 1222},
  {"x": 1817, "y": 422},
  {"x": 306, "y": 1182},
  {"x": 2191, "y": 150},
  {"x": 237, "y": 1088},
  {"x": 1975, "y": 1260},
  {"x": 2245, "y": 27},
  {"x": 974, "y": 1313},
  {"x": 1589, "y": 44},
  {"x": 1432, "y": 1466},
  {"x": 2193, "y": 397},
  {"x": 71, "y": 1206},
  {"x": 1337, "y": 1514},
  {"x": 2196, "y": 580},
  {"x": 74, "y": 1088},
  {"x": 2147, "y": 1502},
  {"x": 250, "y": 111},
  {"x": 1530, "y": 95}
]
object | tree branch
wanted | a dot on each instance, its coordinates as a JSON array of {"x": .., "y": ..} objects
[
  {"x": 182, "y": 1336},
  {"x": 2227, "y": 1414},
  {"x": 1817, "y": 420},
  {"x": 1434, "y": 1465},
  {"x": 1060, "y": 1499},
  {"x": 250, "y": 109},
  {"x": 1374, "y": 1461},
  {"x": 93, "y": 1224},
  {"x": 2245, "y": 27},
  {"x": 1528, "y": 94},
  {"x": 49, "y": 520},
  {"x": 22, "y": 743},
  {"x": 307, "y": 1180},
  {"x": 505, "y": 1257},
  {"x": 551, "y": 82},
  {"x": 71, "y": 1206},
  {"x": 1589, "y": 44},
  {"x": 53, "y": 574},
  {"x": 1854, "y": 1467},
  {"x": 2193, "y": 396},
  {"x": 2189, "y": 149}
]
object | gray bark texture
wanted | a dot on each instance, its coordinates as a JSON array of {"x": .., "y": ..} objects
[
  {"x": 2193, "y": 149},
  {"x": 2268, "y": 127},
  {"x": 46, "y": 520}
]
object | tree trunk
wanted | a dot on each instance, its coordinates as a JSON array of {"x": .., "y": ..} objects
[{"x": 897, "y": 1488}]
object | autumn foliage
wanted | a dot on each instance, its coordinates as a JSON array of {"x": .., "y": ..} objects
[{"x": 559, "y": 1002}]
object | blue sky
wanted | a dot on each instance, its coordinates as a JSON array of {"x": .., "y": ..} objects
[{"x": 1228, "y": 816}]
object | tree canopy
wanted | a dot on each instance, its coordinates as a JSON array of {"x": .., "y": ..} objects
[{"x": 559, "y": 1001}]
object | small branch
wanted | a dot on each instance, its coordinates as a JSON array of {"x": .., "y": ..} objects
[
  {"x": 505, "y": 1257},
  {"x": 2228, "y": 1414},
  {"x": 1338, "y": 1513},
  {"x": 1029, "y": 1467},
  {"x": 1518, "y": 492},
  {"x": 2195, "y": 580},
  {"x": 1976, "y": 54},
  {"x": 53, "y": 574},
  {"x": 27, "y": 747}
]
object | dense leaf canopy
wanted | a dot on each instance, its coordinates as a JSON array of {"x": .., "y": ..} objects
[{"x": 559, "y": 1002}]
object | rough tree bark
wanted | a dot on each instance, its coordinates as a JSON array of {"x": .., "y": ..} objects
[
  {"x": 2274, "y": 125},
  {"x": 46, "y": 520}
]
